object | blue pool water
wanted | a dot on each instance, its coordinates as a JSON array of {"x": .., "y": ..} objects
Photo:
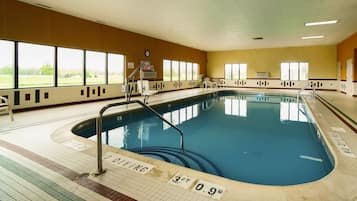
[{"x": 259, "y": 139}]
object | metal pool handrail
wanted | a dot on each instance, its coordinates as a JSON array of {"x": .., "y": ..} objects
[{"x": 99, "y": 129}]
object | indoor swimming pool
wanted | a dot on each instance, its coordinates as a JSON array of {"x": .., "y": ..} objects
[{"x": 255, "y": 138}]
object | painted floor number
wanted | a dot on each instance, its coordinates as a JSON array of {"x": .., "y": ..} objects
[
  {"x": 209, "y": 189},
  {"x": 182, "y": 181}
]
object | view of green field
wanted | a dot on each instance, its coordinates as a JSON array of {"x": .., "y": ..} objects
[
  {"x": 6, "y": 81},
  {"x": 28, "y": 81}
]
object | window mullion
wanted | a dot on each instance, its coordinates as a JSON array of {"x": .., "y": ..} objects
[
  {"x": 84, "y": 67},
  {"x": 106, "y": 69},
  {"x": 299, "y": 70},
  {"x": 171, "y": 70},
  {"x": 289, "y": 71},
  {"x": 239, "y": 71},
  {"x": 56, "y": 67},
  {"x": 16, "y": 66}
]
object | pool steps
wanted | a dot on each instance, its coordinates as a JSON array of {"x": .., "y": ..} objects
[{"x": 185, "y": 158}]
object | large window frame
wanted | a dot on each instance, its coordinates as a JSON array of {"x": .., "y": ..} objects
[
  {"x": 14, "y": 81},
  {"x": 62, "y": 63},
  {"x": 115, "y": 71},
  {"x": 36, "y": 65},
  {"x": 93, "y": 60},
  {"x": 166, "y": 74},
  {"x": 235, "y": 71},
  {"x": 7, "y": 64},
  {"x": 174, "y": 70},
  {"x": 294, "y": 71}
]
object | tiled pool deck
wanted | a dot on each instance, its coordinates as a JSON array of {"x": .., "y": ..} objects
[{"x": 35, "y": 165}]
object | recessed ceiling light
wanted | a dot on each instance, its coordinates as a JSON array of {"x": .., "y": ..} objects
[
  {"x": 321, "y": 23},
  {"x": 258, "y": 38},
  {"x": 312, "y": 37}
]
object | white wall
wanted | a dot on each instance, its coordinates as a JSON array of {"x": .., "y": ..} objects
[{"x": 73, "y": 94}]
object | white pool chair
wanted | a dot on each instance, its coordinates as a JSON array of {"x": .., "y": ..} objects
[
  {"x": 144, "y": 90},
  {"x": 221, "y": 83},
  {"x": 5, "y": 107},
  {"x": 207, "y": 83}
]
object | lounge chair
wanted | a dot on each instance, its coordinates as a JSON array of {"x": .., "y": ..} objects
[{"x": 5, "y": 107}]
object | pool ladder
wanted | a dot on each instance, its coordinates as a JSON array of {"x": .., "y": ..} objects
[
  {"x": 99, "y": 120},
  {"x": 307, "y": 84}
]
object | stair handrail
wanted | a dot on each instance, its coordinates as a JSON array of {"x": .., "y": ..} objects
[
  {"x": 99, "y": 119},
  {"x": 302, "y": 89},
  {"x": 128, "y": 88}
]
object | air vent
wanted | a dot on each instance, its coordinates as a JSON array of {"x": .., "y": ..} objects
[
  {"x": 43, "y": 6},
  {"x": 258, "y": 38}
]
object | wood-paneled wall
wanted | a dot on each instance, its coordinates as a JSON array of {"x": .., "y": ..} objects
[
  {"x": 347, "y": 50},
  {"x": 24, "y": 22}
]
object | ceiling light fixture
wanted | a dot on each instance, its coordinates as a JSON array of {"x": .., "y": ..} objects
[
  {"x": 321, "y": 23},
  {"x": 312, "y": 37}
]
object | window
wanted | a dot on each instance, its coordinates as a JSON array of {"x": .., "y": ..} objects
[
  {"x": 228, "y": 71},
  {"x": 195, "y": 72},
  {"x": 235, "y": 71},
  {"x": 167, "y": 70},
  {"x": 7, "y": 60},
  {"x": 95, "y": 67},
  {"x": 182, "y": 70},
  {"x": 115, "y": 68},
  {"x": 304, "y": 71},
  {"x": 70, "y": 67},
  {"x": 243, "y": 71},
  {"x": 189, "y": 71},
  {"x": 175, "y": 71},
  {"x": 179, "y": 70},
  {"x": 36, "y": 65},
  {"x": 294, "y": 71}
]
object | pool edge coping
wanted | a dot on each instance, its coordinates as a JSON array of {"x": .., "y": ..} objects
[{"x": 224, "y": 180}]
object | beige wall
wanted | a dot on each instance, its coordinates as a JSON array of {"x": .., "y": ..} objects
[{"x": 322, "y": 60}]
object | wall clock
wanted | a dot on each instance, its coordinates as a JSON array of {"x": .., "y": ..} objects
[{"x": 147, "y": 52}]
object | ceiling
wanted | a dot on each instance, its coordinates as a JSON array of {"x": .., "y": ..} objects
[{"x": 213, "y": 25}]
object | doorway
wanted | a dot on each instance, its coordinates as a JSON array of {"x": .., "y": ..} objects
[{"x": 349, "y": 83}]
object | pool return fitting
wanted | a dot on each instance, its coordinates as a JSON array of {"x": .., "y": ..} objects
[{"x": 99, "y": 122}]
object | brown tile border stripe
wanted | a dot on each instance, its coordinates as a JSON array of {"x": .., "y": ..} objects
[
  {"x": 337, "y": 115},
  {"x": 68, "y": 173}
]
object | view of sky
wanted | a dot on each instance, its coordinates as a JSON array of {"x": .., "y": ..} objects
[
  {"x": 70, "y": 58},
  {"x": 35, "y": 56},
  {"x": 6, "y": 53}
]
